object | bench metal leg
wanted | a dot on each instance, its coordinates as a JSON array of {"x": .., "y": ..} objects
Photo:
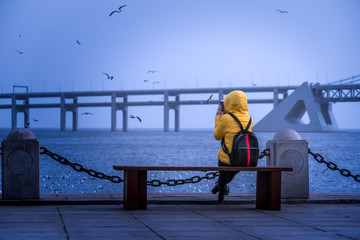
[
  {"x": 135, "y": 190},
  {"x": 268, "y": 190}
]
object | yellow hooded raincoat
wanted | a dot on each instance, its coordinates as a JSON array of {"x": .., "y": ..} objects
[{"x": 226, "y": 127}]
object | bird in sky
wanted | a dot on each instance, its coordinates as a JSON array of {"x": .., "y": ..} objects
[
  {"x": 35, "y": 120},
  {"x": 146, "y": 80},
  {"x": 108, "y": 76},
  {"x": 152, "y": 71},
  {"x": 117, "y": 11},
  {"x": 282, "y": 11},
  {"x": 20, "y": 52},
  {"x": 132, "y": 116},
  {"x": 19, "y": 35},
  {"x": 78, "y": 42},
  {"x": 209, "y": 98},
  {"x": 87, "y": 113},
  {"x": 156, "y": 83}
]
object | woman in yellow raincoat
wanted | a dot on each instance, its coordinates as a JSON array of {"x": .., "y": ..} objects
[{"x": 226, "y": 128}]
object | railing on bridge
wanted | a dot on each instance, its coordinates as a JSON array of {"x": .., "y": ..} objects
[{"x": 337, "y": 93}]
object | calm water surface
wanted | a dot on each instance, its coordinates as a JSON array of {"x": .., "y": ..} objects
[{"x": 100, "y": 150}]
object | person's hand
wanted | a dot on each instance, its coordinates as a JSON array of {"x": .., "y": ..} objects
[{"x": 219, "y": 112}]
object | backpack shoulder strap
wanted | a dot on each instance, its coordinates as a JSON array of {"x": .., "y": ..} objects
[
  {"x": 248, "y": 125},
  {"x": 237, "y": 120},
  {"x": 223, "y": 146}
]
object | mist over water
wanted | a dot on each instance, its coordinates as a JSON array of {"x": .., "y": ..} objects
[{"x": 100, "y": 150}]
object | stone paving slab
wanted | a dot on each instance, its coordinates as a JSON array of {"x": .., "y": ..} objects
[
  {"x": 176, "y": 198},
  {"x": 180, "y": 221}
]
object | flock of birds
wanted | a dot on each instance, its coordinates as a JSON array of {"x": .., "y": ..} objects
[{"x": 109, "y": 77}]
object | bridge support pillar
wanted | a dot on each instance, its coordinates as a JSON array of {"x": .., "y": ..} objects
[
  {"x": 113, "y": 112},
  {"x": 62, "y": 113},
  {"x": 125, "y": 115},
  {"x": 15, "y": 109},
  {"x": 276, "y": 97},
  {"x": 177, "y": 114},
  {"x": 64, "y": 109},
  {"x": 75, "y": 115},
  {"x": 221, "y": 95},
  {"x": 13, "y": 113},
  {"x": 26, "y": 114},
  {"x": 166, "y": 111}
]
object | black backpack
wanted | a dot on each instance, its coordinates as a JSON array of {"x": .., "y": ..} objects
[{"x": 245, "y": 148}]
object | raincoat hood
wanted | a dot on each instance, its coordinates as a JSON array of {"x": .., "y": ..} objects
[{"x": 236, "y": 102}]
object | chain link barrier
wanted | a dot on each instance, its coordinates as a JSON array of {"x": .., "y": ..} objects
[
  {"x": 333, "y": 166},
  {"x": 116, "y": 179},
  {"x": 79, "y": 168}
]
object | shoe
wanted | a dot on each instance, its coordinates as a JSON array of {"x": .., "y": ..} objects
[
  {"x": 215, "y": 189},
  {"x": 227, "y": 190},
  {"x": 221, "y": 196}
]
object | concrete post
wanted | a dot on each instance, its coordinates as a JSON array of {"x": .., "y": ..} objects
[
  {"x": 20, "y": 166},
  {"x": 288, "y": 150},
  {"x": 166, "y": 111}
]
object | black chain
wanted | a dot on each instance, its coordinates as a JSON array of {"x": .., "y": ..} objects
[
  {"x": 79, "y": 168},
  {"x": 116, "y": 179},
  {"x": 264, "y": 153},
  {"x": 174, "y": 182},
  {"x": 333, "y": 166}
]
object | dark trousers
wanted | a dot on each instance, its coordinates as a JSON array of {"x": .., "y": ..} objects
[{"x": 225, "y": 177}]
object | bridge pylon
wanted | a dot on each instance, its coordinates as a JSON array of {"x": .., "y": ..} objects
[{"x": 290, "y": 111}]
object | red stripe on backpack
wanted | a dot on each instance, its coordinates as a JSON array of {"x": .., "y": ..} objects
[{"x": 248, "y": 150}]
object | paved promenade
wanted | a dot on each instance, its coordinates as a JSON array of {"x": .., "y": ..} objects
[{"x": 332, "y": 216}]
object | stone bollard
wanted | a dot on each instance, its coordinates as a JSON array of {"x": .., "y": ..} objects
[
  {"x": 20, "y": 165},
  {"x": 288, "y": 150}
]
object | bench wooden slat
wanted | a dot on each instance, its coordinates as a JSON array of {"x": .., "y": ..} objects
[{"x": 191, "y": 168}]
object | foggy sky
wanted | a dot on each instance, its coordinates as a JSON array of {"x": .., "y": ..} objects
[{"x": 202, "y": 43}]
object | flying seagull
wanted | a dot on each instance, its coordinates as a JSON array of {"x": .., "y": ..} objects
[
  {"x": 20, "y": 52},
  {"x": 35, "y": 120},
  {"x": 207, "y": 99},
  {"x": 152, "y": 71},
  {"x": 282, "y": 11},
  {"x": 87, "y": 113},
  {"x": 117, "y": 11},
  {"x": 108, "y": 76},
  {"x": 77, "y": 41},
  {"x": 146, "y": 80},
  {"x": 132, "y": 116}
]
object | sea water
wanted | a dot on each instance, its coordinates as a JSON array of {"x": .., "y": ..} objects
[{"x": 101, "y": 149}]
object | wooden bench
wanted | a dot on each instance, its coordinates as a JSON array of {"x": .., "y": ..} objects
[{"x": 268, "y": 183}]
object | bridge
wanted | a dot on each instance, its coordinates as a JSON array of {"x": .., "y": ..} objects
[{"x": 290, "y": 104}]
